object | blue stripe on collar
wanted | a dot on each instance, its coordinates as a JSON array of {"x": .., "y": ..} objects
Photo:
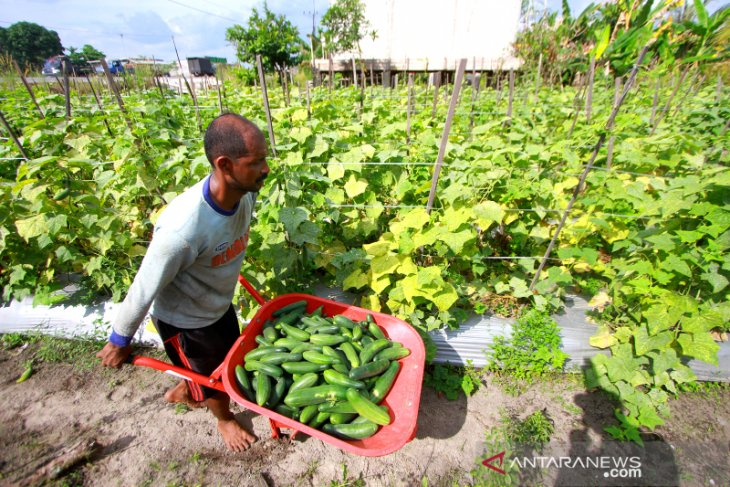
[{"x": 208, "y": 199}]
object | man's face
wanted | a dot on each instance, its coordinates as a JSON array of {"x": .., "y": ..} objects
[{"x": 250, "y": 171}]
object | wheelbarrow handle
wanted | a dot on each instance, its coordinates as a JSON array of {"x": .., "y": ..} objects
[
  {"x": 252, "y": 291},
  {"x": 203, "y": 380}
]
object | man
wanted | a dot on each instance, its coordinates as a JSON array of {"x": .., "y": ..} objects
[{"x": 189, "y": 273}]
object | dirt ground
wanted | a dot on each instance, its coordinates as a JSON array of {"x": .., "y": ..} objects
[{"x": 144, "y": 441}]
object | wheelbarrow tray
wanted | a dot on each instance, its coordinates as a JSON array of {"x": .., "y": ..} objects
[{"x": 402, "y": 400}]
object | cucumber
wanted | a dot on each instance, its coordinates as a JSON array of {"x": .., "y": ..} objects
[
  {"x": 277, "y": 393},
  {"x": 375, "y": 330},
  {"x": 358, "y": 431},
  {"x": 287, "y": 411},
  {"x": 307, "y": 380},
  {"x": 369, "y": 370},
  {"x": 315, "y": 395},
  {"x": 261, "y": 340},
  {"x": 338, "y": 407},
  {"x": 393, "y": 353},
  {"x": 303, "y": 347},
  {"x": 357, "y": 333},
  {"x": 287, "y": 342},
  {"x": 319, "y": 419},
  {"x": 341, "y": 320},
  {"x": 318, "y": 358},
  {"x": 341, "y": 418},
  {"x": 314, "y": 321},
  {"x": 335, "y": 354},
  {"x": 350, "y": 354},
  {"x": 296, "y": 305},
  {"x": 278, "y": 358},
  {"x": 330, "y": 340},
  {"x": 318, "y": 311},
  {"x": 294, "y": 332},
  {"x": 243, "y": 383},
  {"x": 385, "y": 382},
  {"x": 303, "y": 367},
  {"x": 61, "y": 194},
  {"x": 345, "y": 332},
  {"x": 266, "y": 369},
  {"x": 362, "y": 419},
  {"x": 341, "y": 368},
  {"x": 325, "y": 329},
  {"x": 369, "y": 351},
  {"x": 366, "y": 408},
  {"x": 263, "y": 389},
  {"x": 339, "y": 379},
  {"x": 308, "y": 412},
  {"x": 289, "y": 318},
  {"x": 256, "y": 353},
  {"x": 270, "y": 334}
]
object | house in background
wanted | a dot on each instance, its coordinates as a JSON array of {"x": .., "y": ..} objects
[{"x": 433, "y": 35}]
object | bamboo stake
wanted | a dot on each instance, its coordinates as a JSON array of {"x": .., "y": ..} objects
[
  {"x": 718, "y": 90},
  {"x": 265, "y": 95},
  {"x": 332, "y": 74},
  {"x": 511, "y": 95},
  {"x": 589, "y": 93},
  {"x": 612, "y": 140},
  {"x": 101, "y": 109},
  {"x": 66, "y": 89},
  {"x": 669, "y": 102},
  {"x": 589, "y": 166},
  {"x": 27, "y": 87},
  {"x": 655, "y": 102},
  {"x": 115, "y": 91},
  {"x": 445, "y": 135},
  {"x": 11, "y": 133},
  {"x": 191, "y": 90},
  {"x": 309, "y": 102},
  {"x": 408, "y": 118},
  {"x": 220, "y": 98},
  {"x": 436, "y": 84}
]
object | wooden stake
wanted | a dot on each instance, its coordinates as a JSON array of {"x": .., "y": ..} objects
[
  {"x": 718, "y": 90},
  {"x": 436, "y": 84},
  {"x": 220, "y": 98},
  {"x": 66, "y": 89},
  {"x": 27, "y": 87},
  {"x": 191, "y": 90},
  {"x": 537, "y": 77},
  {"x": 332, "y": 73},
  {"x": 616, "y": 93},
  {"x": 115, "y": 91},
  {"x": 410, "y": 100},
  {"x": 589, "y": 93},
  {"x": 445, "y": 134},
  {"x": 101, "y": 109},
  {"x": 511, "y": 95},
  {"x": 11, "y": 133},
  {"x": 665, "y": 110},
  {"x": 656, "y": 101},
  {"x": 265, "y": 95},
  {"x": 309, "y": 102},
  {"x": 589, "y": 166}
]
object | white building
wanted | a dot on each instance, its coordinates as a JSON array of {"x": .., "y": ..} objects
[{"x": 433, "y": 35}]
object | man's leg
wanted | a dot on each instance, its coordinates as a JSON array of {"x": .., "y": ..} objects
[
  {"x": 181, "y": 393},
  {"x": 234, "y": 435}
]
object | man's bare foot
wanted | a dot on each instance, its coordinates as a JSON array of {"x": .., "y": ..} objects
[
  {"x": 180, "y": 393},
  {"x": 235, "y": 437}
]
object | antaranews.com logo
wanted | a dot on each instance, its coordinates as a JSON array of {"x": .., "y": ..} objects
[{"x": 611, "y": 466}]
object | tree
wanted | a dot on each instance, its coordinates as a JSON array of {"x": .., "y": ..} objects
[
  {"x": 86, "y": 54},
  {"x": 30, "y": 44},
  {"x": 344, "y": 25},
  {"x": 271, "y": 36}
]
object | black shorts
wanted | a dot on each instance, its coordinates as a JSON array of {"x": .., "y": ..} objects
[{"x": 201, "y": 350}]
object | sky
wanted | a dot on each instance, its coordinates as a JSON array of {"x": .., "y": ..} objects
[{"x": 131, "y": 28}]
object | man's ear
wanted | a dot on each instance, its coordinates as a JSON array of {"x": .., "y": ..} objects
[{"x": 223, "y": 164}]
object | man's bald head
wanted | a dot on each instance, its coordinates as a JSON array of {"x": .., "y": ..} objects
[{"x": 227, "y": 135}]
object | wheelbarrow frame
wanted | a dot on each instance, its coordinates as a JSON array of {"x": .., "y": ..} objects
[{"x": 403, "y": 400}]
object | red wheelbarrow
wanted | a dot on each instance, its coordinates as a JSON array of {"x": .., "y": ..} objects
[{"x": 402, "y": 400}]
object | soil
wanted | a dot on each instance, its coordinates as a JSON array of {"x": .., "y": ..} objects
[{"x": 145, "y": 441}]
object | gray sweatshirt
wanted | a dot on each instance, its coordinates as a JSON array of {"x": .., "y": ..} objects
[{"x": 189, "y": 273}]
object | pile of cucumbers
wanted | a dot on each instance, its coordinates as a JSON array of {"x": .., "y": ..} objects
[{"x": 330, "y": 373}]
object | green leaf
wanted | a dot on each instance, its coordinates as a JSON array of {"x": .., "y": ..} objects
[
  {"x": 292, "y": 218},
  {"x": 700, "y": 346},
  {"x": 355, "y": 280},
  {"x": 603, "y": 339},
  {"x": 602, "y": 40},
  {"x": 664, "y": 360},
  {"x": 716, "y": 280},
  {"x": 486, "y": 213},
  {"x": 521, "y": 290},
  {"x": 662, "y": 242},
  {"x": 416, "y": 218},
  {"x": 643, "y": 342},
  {"x": 31, "y": 227},
  {"x": 649, "y": 418},
  {"x": 618, "y": 368},
  {"x": 335, "y": 171},
  {"x": 676, "y": 264},
  {"x": 456, "y": 241},
  {"x": 384, "y": 264}
]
